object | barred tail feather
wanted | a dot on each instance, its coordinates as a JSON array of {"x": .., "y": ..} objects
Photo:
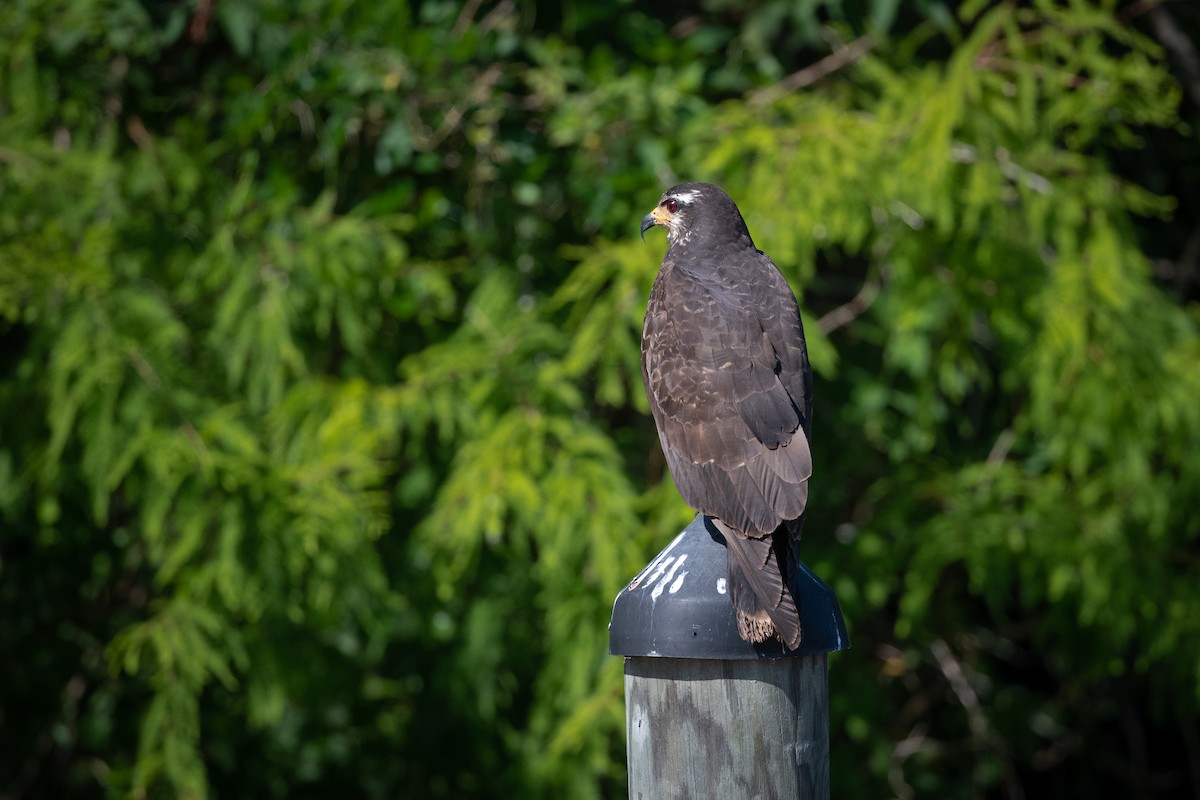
[{"x": 762, "y": 603}]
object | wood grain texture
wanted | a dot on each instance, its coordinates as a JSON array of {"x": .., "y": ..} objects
[{"x": 757, "y": 730}]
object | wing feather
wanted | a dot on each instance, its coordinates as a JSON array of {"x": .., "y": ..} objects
[{"x": 730, "y": 415}]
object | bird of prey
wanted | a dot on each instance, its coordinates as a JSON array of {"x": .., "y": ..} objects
[{"x": 726, "y": 371}]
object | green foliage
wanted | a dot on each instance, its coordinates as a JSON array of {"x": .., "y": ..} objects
[{"x": 323, "y": 449}]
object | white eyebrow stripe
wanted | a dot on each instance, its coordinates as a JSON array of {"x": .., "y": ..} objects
[{"x": 686, "y": 197}]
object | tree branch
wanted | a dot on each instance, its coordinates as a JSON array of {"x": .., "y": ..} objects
[
  {"x": 847, "y": 312},
  {"x": 1180, "y": 47},
  {"x": 814, "y": 72}
]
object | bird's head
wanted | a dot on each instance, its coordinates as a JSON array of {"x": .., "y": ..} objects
[{"x": 694, "y": 212}]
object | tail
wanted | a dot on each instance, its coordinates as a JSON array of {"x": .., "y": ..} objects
[{"x": 762, "y": 603}]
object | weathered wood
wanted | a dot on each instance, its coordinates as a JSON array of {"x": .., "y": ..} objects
[
  {"x": 700, "y": 728},
  {"x": 707, "y": 714}
]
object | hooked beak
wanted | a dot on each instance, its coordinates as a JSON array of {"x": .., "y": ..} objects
[
  {"x": 656, "y": 217},
  {"x": 648, "y": 222}
]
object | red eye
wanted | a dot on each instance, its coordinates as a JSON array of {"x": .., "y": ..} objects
[{"x": 672, "y": 205}]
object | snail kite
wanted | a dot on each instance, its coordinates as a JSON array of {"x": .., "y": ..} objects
[{"x": 726, "y": 371}]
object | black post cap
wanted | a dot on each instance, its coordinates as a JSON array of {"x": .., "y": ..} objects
[{"x": 678, "y": 607}]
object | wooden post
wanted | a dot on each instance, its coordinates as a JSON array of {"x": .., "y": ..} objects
[
  {"x": 706, "y": 714},
  {"x": 738, "y": 729}
]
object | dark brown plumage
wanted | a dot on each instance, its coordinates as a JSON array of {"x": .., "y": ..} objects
[{"x": 726, "y": 371}]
